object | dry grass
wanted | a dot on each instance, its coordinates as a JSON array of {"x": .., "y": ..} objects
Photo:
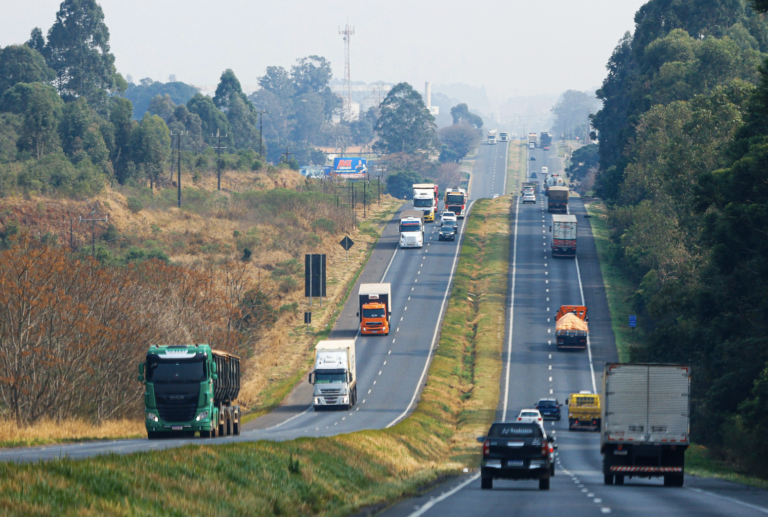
[
  {"x": 68, "y": 430},
  {"x": 262, "y": 478}
]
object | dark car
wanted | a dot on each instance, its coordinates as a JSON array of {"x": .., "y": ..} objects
[
  {"x": 549, "y": 409},
  {"x": 447, "y": 233},
  {"x": 448, "y": 223},
  {"x": 533, "y": 157},
  {"x": 517, "y": 451}
]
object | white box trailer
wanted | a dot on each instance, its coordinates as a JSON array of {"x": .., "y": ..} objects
[
  {"x": 564, "y": 235},
  {"x": 335, "y": 374},
  {"x": 645, "y": 421}
]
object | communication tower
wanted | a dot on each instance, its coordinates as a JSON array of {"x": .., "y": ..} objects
[{"x": 347, "y": 32}]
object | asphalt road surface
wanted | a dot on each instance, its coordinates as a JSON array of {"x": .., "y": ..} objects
[
  {"x": 391, "y": 369},
  {"x": 534, "y": 369}
]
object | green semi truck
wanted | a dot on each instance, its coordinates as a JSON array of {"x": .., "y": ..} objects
[{"x": 190, "y": 389}]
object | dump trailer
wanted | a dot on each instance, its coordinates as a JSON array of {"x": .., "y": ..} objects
[
  {"x": 189, "y": 389},
  {"x": 571, "y": 327},
  {"x": 645, "y": 421},
  {"x": 411, "y": 229},
  {"x": 375, "y": 308},
  {"x": 532, "y": 140},
  {"x": 456, "y": 201},
  {"x": 564, "y": 235},
  {"x": 335, "y": 375},
  {"x": 557, "y": 200}
]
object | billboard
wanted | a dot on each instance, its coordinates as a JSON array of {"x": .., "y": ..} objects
[{"x": 350, "y": 168}]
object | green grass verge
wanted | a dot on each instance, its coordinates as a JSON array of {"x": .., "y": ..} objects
[
  {"x": 325, "y": 476},
  {"x": 618, "y": 288},
  {"x": 699, "y": 462},
  {"x": 516, "y": 166}
]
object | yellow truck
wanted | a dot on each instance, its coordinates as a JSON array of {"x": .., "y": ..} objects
[{"x": 583, "y": 411}]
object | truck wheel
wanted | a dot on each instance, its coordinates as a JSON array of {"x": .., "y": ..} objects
[
  {"x": 229, "y": 427},
  {"x": 675, "y": 480},
  {"x": 552, "y": 471},
  {"x": 236, "y": 428},
  {"x": 214, "y": 431},
  {"x": 619, "y": 479},
  {"x": 607, "y": 479},
  {"x": 223, "y": 429},
  {"x": 152, "y": 435},
  {"x": 205, "y": 434},
  {"x": 486, "y": 483},
  {"x": 544, "y": 484}
]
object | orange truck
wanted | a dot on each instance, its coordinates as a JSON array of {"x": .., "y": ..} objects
[
  {"x": 572, "y": 328},
  {"x": 375, "y": 308}
]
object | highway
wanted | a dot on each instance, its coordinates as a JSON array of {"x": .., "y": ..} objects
[
  {"x": 391, "y": 369},
  {"x": 534, "y": 369}
]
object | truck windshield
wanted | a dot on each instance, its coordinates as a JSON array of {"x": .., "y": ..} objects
[
  {"x": 422, "y": 203},
  {"x": 173, "y": 371},
  {"x": 409, "y": 227},
  {"x": 330, "y": 378},
  {"x": 373, "y": 313},
  {"x": 455, "y": 199}
]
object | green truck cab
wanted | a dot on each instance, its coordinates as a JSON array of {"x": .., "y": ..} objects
[{"x": 190, "y": 389}]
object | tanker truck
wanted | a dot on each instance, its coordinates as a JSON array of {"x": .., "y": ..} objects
[{"x": 189, "y": 389}]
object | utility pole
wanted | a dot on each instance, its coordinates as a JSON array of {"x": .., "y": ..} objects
[
  {"x": 365, "y": 199},
  {"x": 287, "y": 155},
  {"x": 178, "y": 153},
  {"x": 93, "y": 222},
  {"x": 218, "y": 149},
  {"x": 261, "y": 122}
]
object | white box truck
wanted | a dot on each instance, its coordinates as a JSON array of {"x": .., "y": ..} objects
[
  {"x": 335, "y": 374},
  {"x": 645, "y": 421},
  {"x": 564, "y": 235}
]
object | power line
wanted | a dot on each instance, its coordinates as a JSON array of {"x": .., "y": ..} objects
[{"x": 218, "y": 150}]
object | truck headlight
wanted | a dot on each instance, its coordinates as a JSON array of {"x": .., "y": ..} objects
[
  {"x": 317, "y": 401},
  {"x": 345, "y": 400},
  {"x": 151, "y": 417},
  {"x": 202, "y": 416}
]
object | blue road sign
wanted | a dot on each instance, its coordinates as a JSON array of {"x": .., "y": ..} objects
[{"x": 633, "y": 321}]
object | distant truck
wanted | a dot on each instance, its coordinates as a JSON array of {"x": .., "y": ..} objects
[
  {"x": 335, "y": 375},
  {"x": 504, "y": 136},
  {"x": 557, "y": 200},
  {"x": 583, "y": 411},
  {"x": 189, "y": 389},
  {"x": 645, "y": 421},
  {"x": 552, "y": 180},
  {"x": 532, "y": 140},
  {"x": 546, "y": 140},
  {"x": 375, "y": 308},
  {"x": 456, "y": 201},
  {"x": 563, "y": 235},
  {"x": 572, "y": 327},
  {"x": 428, "y": 186},
  {"x": 492, "y": 137},
  {"x": 424, "y": 200},
  {"x": 411, "y": 229}
]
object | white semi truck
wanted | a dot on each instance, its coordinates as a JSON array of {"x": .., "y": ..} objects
[
  {"x": 492, "y": 136},
  {"x": 424, "y": 200},
  {"x": 335, "y": 375},
  {"x": 645, "y": 421},
  {"x": 411, "y": 229}
]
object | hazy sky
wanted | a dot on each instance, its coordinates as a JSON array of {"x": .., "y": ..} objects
[{"x": 512, "y": 46}]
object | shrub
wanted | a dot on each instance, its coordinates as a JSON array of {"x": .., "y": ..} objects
[
  {"x": 288, "y": 284},
  {"x": 134, "y": 204},
  {"x": 287, "y": 268},
  {"x": 325, "y": 225}
]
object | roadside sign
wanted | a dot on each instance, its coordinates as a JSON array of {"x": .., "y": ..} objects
[
  {"x": 633, "y": 321},
  {"x": 346, "y": 243}
]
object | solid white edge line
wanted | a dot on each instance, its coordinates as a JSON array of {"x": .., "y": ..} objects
[
  {"x": 730, "y": 499},
  {"x": 283, "y": 422},
  {"x": 427, "y": 506},
  {"x": 511, "y": 313},
  {"x": 506, "y": 170},
  {"x": 437, "y": 325},
  {"x": 589, "y": 346}
]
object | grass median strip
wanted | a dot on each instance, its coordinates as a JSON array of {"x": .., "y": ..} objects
[{"x": 313, "y": 476}]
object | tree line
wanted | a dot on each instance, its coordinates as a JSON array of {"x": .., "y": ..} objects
[{"x": 682, "y": 151}]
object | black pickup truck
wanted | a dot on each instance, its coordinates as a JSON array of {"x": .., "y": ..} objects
[{"x": 517, "y": 451}]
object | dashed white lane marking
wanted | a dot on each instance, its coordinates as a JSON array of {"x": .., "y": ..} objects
[
  {"x": 550, "y": 367},
  {"x": 379, "y": 372},
  {"x": 549, "y": 331},
  {"x": 550, "y": 379},
  {"x": 374, "y": 382},
  {"x": 406, "y": 308},
  {"x": 384, "y": 363},
  {"x": 369, "y": 392},
  {"x": 547, "y": 309},
  {"x": 389, "y": 352},
  {"x": 550, "y": 355},
  {"x": 598, "y": 500},
  {"x": 409, "y": 298},
  {"x": 550, "y": 342},
  {"x": 605, "y": 509},
  {"x": 432, "y": 502},
  {"x": 364, "y": 399}
]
